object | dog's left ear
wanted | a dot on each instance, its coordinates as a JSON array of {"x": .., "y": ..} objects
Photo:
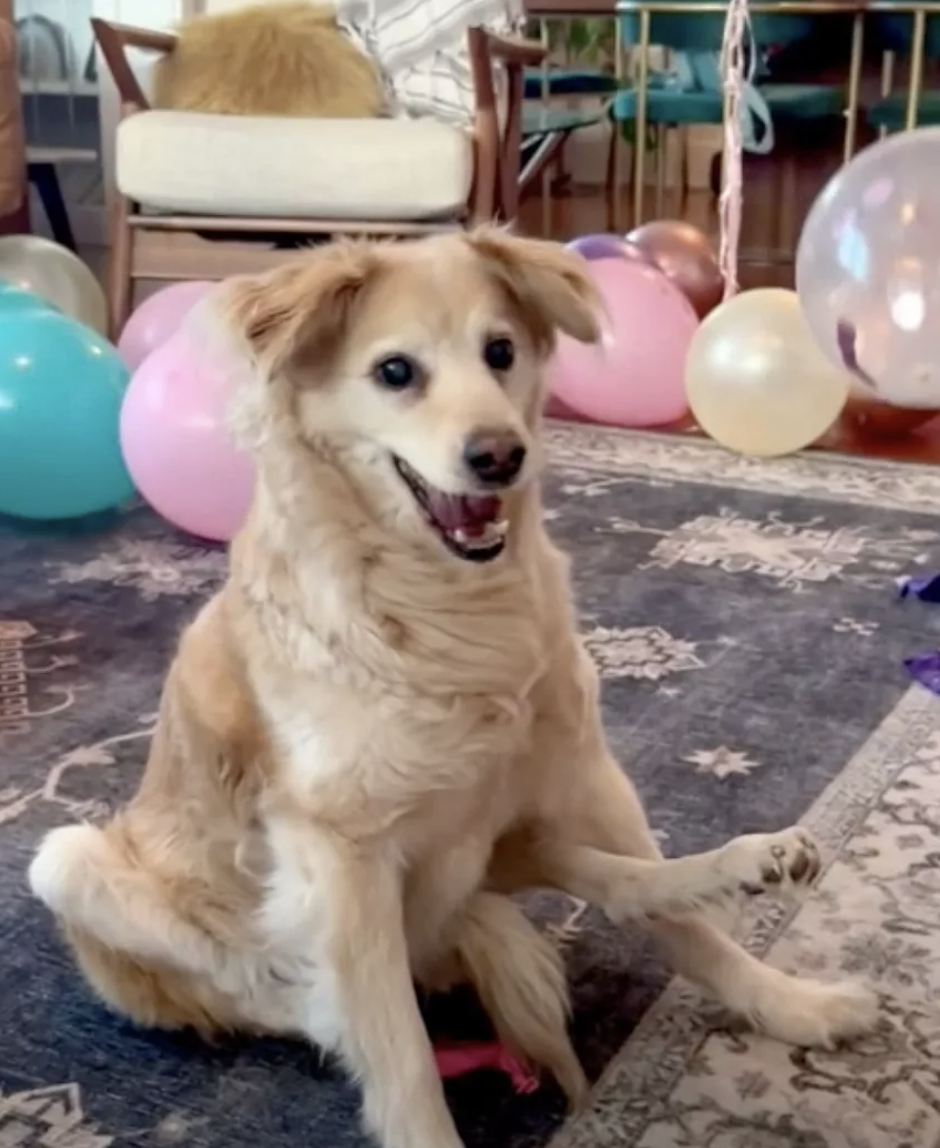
[
  {"x": 549, "y": 285},
  {"x": 297, "y": 315}
]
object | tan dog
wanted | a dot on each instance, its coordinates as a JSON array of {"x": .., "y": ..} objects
[
  {"x": 385, "y": 723},
  {"x": 276, "y": 60}
]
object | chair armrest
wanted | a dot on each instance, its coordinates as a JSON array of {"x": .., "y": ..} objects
[
  {"x": 516, "y": 50},
  {"x": 498, "y": 124},
  {"x": 114, "y": 40}
]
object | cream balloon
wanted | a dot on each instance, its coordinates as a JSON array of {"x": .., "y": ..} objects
[
  {"x": 56, "y": 275},
  {"x": 756, "y": 379}
]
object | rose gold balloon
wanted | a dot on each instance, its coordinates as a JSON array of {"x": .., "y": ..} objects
[{"x": 686, "y": 257}]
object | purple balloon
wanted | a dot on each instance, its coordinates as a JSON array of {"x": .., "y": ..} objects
[{"x": 606, "y": 246}]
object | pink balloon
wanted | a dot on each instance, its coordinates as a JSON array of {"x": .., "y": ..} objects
[
  {"x": 158, "y": 319},
  {"x": 176, "y": 445},
  {"x": 556, "y": 409},
  {"x": 635, "y": 377}
]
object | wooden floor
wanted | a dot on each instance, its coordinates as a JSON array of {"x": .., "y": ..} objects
[{"x": 778, "y": 193}]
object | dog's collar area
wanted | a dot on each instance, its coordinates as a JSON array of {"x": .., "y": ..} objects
[{"x": 470, "y": 526}]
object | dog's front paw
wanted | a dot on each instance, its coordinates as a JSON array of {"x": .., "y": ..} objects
[
  {"x": 784, "y": 862},
  {"x": 812, "y": 1014}
]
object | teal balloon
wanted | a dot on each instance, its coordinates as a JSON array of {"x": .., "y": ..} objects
[
  {"x": 14, "y": 299},
  {"x": 61, "y": 387}
]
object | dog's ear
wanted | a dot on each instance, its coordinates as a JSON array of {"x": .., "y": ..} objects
[
  {"x": 549, "y": 285},
  {"x": 297, "y": 316}
]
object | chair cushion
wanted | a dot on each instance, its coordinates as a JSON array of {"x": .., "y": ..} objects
[
  {"x": 803, "y": 101},
  {"x": 538, "y": 121},
  {"x": 268, "y": 168},
  {"x": 891, "y": 112},
  {"x": 568, "y": 82},
  {"x": 670, "y": 106},
  {"x": 676, "y": 106}
]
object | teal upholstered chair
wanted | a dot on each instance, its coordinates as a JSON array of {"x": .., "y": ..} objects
[
  {"x": 671, "y": 106},
  {"x": 546, "y": 125},
  {"x": 894, "y": 33},
  {"x": 545, "y": 131}
]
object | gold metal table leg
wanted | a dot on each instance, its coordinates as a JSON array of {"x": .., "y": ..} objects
[
  {"x": 918, "y": 42},
  {"x": 855, "y": 83},
  {"x": 642, "y": 93},
  {"x": 887, "y": 82}
]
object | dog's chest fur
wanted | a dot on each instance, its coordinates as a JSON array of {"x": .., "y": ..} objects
[{"x": 415, "y": 710}]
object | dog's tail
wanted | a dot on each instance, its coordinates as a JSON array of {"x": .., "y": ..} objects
[{"x": 520, "y": 978}]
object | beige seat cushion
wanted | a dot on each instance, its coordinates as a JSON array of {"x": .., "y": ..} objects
[{"x": 398, "y": 170}]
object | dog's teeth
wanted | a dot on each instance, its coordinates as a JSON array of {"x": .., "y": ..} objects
[
  {"x": 460, "y": 537},
  {"x": 500, "y": 528}
]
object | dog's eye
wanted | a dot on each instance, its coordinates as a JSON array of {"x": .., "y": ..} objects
[
  {"x": 397, "y": 373},
  {"x": 499, "y": 354}
]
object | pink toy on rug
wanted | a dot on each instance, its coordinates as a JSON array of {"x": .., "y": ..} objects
[{"x": 460, "y": 1059}]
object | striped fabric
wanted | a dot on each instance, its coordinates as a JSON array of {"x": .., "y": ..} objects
[{"x": 421, "y": 47}]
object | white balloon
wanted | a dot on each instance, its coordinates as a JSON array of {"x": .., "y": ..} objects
[
  {"x": 756, "y": 379},
  {"x": 56, "y": 275}
]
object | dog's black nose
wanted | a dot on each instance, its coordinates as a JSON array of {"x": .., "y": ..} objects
[{"x": 494, "y": 457}]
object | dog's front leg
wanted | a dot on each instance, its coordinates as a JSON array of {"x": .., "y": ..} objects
[
  {"x": 338, "y": 906},
  {"x": 603, "y": 813}
]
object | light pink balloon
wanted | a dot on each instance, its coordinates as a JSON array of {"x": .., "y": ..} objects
[
  {"x": 175, "y": 442},
  {"x": 556, "y": 409},
  {"x": 635, "y": 377},
  {"x": 157, "y": 319}
]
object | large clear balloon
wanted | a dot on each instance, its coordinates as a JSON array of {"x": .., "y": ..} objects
[
  {"x": 756, "y": 379},
  {"x": 56, "y": 275},
  {"x": 868, "y": 268}
]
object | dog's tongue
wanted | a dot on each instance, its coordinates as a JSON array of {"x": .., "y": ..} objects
[{"x": 464, "y": 512}]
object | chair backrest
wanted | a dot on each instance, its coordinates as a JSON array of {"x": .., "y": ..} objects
[
  {"x": 894, "y": 33},
  {"x": 685, "y": 32}
]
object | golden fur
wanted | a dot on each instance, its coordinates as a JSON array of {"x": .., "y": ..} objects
[
  {"x": 277, "y": 60},
  {"x": 366, "y": 744}
]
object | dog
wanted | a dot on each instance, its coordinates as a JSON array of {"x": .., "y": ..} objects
[{"x": 385, "y": 725}]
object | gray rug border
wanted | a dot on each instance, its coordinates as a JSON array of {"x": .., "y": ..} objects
[{"x": 672, "y": 1031}]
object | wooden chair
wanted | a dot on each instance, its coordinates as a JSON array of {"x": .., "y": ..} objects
[
  {"x": 14, "y": 204},
  {"x": 206, "y": 196}
]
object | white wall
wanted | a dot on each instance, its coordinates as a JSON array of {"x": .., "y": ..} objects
[{"x": 72, "y": 16}]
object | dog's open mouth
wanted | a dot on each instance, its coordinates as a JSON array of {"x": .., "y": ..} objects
[{"x": 470, "y": 526}]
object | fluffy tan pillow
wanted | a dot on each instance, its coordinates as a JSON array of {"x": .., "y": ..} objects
[{"x": 272, "y": 60}]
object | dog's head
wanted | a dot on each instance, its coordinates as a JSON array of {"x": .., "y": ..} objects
[{"x": 427, "y": 357}]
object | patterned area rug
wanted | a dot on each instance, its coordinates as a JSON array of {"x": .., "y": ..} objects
[{"x": 744, "y": 617}]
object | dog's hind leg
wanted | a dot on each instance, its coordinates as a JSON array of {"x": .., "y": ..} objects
[
  {"x": 519, "y": 976},
  {"x": 95, "y": 888}
]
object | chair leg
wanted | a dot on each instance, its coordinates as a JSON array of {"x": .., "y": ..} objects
[
  {"x": 685, "y": 180},
  {"x": 120, "y": 270},
  {"x": 46, "y": 179},
  {"x": 611, "y": 188},
  {"x": 662, "y": 143}
]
